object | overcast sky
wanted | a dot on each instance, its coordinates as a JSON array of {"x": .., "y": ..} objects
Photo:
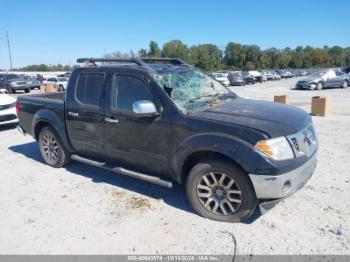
[{"x": 53, "y": 32}]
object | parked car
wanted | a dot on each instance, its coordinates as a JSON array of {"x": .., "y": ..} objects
[
  {"x": 60, "y": 83},
  {"x": 301, "y": 73},
  {"x": 173, "y": 123},
  {"x": 236, "y": 79},
  {"x": 324, "y": 78},
  {"x": 346, "y": 70},
  {"x": 276, "y": 76},
  {"x": 249, "y": 79},
  {"x": 13, "y": 82},
  {"x": 40, "y": 78},
  {"x": 221, "y": 77},
  {"x": 284, "y": 73},
  {"x": 258, "y": 76},
  {"x": 269, "y": 75},
  {"x": 7, "y": 108},
  {"x": 33, "y": 82}
]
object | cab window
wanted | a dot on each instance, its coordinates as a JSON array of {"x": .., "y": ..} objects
[{"x": 125, "y": 90}]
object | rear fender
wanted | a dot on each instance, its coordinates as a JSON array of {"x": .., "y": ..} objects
[{"x": 49, "y": 117}]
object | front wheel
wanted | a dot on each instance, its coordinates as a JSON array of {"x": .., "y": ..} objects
[
  {"x": 27, "y": 90},
  {"x": 52, "y": 149},
  {"x": 345, "y": 84},
  {"x": 319, "y": 86},
  {"x": 220, "y": 191}
]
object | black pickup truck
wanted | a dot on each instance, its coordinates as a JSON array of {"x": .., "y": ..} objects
[{"x": 163, "y": 121}]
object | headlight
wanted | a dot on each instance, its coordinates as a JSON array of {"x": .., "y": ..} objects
[{"x": 276, "y": 148}]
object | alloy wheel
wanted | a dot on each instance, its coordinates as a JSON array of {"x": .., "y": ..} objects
[
  {"x": 50, "y": 147},
  {"x": 219, "y": 193}
]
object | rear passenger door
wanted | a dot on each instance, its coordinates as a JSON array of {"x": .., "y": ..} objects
[{"x": 84, "y": 114}]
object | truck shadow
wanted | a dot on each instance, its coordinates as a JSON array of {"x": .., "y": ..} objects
[{"x": 175, "y": 197}]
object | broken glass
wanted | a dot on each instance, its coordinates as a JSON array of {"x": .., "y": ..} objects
[{"x": 191, "y": 89}]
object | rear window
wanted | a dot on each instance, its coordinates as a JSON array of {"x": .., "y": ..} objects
[{"x": 89, "y": 88}]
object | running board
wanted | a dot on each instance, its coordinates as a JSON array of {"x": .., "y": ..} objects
[{"x": 123, "y": 171}]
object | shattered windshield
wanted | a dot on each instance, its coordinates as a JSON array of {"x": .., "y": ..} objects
[{"x": 191, "y": 89}]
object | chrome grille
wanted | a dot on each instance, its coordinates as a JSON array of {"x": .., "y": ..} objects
[{"x": 304, "y": 142}]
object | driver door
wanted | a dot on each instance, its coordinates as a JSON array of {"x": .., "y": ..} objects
[{"x": 143, "y": 142}]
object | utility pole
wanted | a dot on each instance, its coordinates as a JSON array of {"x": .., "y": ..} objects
[{"x": 9, "y": 47}]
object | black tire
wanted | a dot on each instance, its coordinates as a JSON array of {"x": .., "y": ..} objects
[
  {"x": 52, "y": 149},
  {"x": 319, "y": 86},
  {"x": 27, "y": 90},
  {"x": 60, "y": 88},
  {"x": 9, "y": 89},
  {"x": 242, "y": 183}
]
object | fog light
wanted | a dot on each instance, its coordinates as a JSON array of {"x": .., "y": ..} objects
[{"x": 286, "y": 187}]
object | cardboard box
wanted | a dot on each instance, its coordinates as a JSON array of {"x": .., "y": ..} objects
[
  {"x": 281, "y": 99},
  {"x": 42, "y": 89},
  {"x": 50, "y": 88},
  {"x": 320, "y": 106}
]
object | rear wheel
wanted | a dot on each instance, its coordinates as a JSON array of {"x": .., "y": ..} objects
[
  {"x": 220, "y": 191},
  {"x": 52, "y": 149},
  {"x": 319, "y": 86}
]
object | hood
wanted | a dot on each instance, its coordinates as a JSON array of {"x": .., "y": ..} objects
[
  {"x": 17, "y": 79},
  {"x": 271, "y": 118},
  {"x": 6, "y": 99}
]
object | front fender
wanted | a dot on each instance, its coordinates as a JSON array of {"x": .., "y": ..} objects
[
  {"x": 56, "y": 122},
  {"x": 240, "y": 151}
]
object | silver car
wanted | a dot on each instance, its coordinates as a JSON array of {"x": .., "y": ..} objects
[{"x": 322, "y": 79}]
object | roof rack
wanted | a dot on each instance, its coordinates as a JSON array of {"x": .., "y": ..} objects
[
  {"x": 121, "y": 60},
  {"x": 140, "y": 61}
]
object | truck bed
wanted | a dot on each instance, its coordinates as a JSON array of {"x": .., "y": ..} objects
[
  {"x": 31, "y": 105},
  {"x": 51, "y": 96}
]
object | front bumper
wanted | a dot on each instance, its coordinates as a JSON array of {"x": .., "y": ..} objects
[
  {"x": 237, "y": 82},
  {"x": 270, "y": 187},
  {"x": 20, "y": 87},
  {"x": 305, "y": 85}
]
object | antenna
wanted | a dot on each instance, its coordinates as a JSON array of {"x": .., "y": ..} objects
[{"x": 9, "y": 47}]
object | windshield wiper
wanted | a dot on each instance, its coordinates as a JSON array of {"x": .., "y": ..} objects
[
  {"x": 199, "y": 97},
  {"x": 218, "y": 96}
]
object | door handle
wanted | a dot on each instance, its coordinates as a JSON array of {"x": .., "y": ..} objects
[
  {"x": 111, "y": 120},
  {"x": 73, "y": 114}
]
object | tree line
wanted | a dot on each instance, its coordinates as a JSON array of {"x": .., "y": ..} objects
[
  {"x": 236, "y": 56},
  {"x": 44, "y": 68}
]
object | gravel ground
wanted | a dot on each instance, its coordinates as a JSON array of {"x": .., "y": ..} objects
[{"x": 80, "y": 209}]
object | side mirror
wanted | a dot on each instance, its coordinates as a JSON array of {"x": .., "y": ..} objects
[{"x": 144, "y": 108}]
